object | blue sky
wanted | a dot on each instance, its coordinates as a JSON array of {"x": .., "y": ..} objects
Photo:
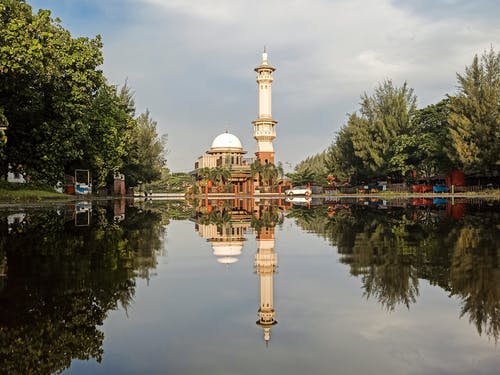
[{"x": 191, "y": 61}]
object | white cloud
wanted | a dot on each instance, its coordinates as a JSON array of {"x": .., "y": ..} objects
[{"x": 191, "y": 62}]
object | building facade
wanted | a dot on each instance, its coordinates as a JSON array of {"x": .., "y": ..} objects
[{"x": 226, "y": 151}]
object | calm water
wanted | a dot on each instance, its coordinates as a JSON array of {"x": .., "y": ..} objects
[{"x": 245, "y": 287}]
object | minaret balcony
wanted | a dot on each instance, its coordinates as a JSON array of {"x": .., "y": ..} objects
[{"x": 264, "y": 133}]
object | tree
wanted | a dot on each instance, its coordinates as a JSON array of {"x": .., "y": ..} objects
[
  {"x": 146, "y": 152},
  {"x": 475, "y": 116},
  {"x": 47, "y": 83},
  {"x": 341, "y": 159},
  {"x": 302, "y": 177},
  {"x": 385, "y": 116},
  {"x": 220, "y": 175},
  {"x": 268, "y": 174},
  {"x": 424, "y": 148},
  {"x": 280, "y": 170},
  {"x": 105, "y": 145}
]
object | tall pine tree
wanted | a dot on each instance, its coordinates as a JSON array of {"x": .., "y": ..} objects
[{"x": 475, "y": 116}]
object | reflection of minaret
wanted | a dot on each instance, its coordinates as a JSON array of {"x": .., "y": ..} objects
[
  {"x": 265, "y": 266},
  {"x": 263, "y": 127}
]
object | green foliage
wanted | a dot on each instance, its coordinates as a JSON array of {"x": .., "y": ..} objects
[
  {"x": 365, "y": 146},
  {"x": 311, "y": 170},
  {"x": 47, "y": 83},
  {"x": 424, "y": 148},
  {"x": 61, "y": 112},
  {"x": 384, "y": 117},
  {"x": 341, "y": 160},
  {"x": 475, "y": 116},
  {"x": 146, "y": 153},
  {"x": 172, "y": 182},
  {"x": 267, "y": 173}
]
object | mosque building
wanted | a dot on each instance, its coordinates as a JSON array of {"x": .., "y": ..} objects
[{"x": 226, "y": 151}]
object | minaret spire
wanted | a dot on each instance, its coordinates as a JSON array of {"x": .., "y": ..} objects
[{"x": 264, "y": 125}]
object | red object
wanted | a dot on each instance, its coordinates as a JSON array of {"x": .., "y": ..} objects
[
  {"x": 456, "y": 211},
  {"x": 421, "y": 188},
  {"x": 421, "y": 202},
  {"x": 458, "y": 177}
]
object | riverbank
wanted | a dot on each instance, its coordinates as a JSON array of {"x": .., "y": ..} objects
[{"x": 19, "y": 195}]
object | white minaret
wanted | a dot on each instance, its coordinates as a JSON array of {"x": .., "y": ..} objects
[
  {"x": 265, "y": 266},
  {"x": 264, "y": 127}
]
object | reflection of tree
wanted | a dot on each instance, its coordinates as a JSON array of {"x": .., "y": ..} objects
[
  {"x": 267, "y": 219},
  {"x": 390, "y": 250},
  {"x": 62, "y": 281},
  {"x": 387, "y": 273},
  {"x": 219, "y": 216},
  {"x": 475, "y": 275}
]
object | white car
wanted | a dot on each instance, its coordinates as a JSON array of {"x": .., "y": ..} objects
[{"x": 298, "y": 190}]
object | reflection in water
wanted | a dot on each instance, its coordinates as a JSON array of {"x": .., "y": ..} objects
[
  {"x": 61, "y": 275},
  {"x": 224, "y": 224},
  {"x": 391, "y": 247}
]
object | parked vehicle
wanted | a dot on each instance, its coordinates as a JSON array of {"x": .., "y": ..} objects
[
  {"x": 298, "y": 190},
  {"x": 440, "y": 188}
]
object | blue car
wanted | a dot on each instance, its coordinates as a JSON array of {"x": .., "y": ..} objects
[{"x": 440, "y": 189}]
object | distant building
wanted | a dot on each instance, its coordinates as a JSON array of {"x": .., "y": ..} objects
[{"x": 227, "y": 151}]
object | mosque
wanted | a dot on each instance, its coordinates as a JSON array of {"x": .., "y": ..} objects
[{"x": 227, "y": 151}]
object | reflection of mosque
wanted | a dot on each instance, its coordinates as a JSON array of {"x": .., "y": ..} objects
[{"x": 224, "y": 225}]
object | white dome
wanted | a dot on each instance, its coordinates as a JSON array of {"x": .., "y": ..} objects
[{"x": 226, "y": 140}]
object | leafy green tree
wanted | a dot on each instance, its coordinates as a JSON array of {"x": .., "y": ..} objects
[
  {"x": 146, "y": 154},
  {"x": 268, "y": 174},
  {"x": 302, "y": 177},
  {"x": 104, "y": 150},
  {"x": 385, "y": 116},
  {"x": 341, "y": 160},
  {"x": 280, "y": 170},
  {"x": 313, "y": 170},
  {"x": 220, "y": 175},
  {"x": 47, "y": 84},
  {"x": 424, "y": 148},
  {"x": 475, "y": 116}
]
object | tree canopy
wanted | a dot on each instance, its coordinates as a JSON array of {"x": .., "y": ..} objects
[
  {"x": 61, "y": 112},
  {"x": 389, "y": 138},
  {"x": 475, "y": 115}
]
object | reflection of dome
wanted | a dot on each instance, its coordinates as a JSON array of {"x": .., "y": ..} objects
[
  {"x": 226, "y": 141},
  {"x": 227, "y": 260},
  {"x": 227, "y": 251}
]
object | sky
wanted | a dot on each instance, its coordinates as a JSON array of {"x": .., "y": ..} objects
[{"x": 190, "y": 62}]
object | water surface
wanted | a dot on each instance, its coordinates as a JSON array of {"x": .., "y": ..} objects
[{"x": 239, "y": 287}]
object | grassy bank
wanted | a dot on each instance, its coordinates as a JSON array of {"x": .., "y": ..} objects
[{"x": 10, "y": 193}]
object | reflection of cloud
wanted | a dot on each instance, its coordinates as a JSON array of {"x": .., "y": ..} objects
[{"x": 191, "y": 61}]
